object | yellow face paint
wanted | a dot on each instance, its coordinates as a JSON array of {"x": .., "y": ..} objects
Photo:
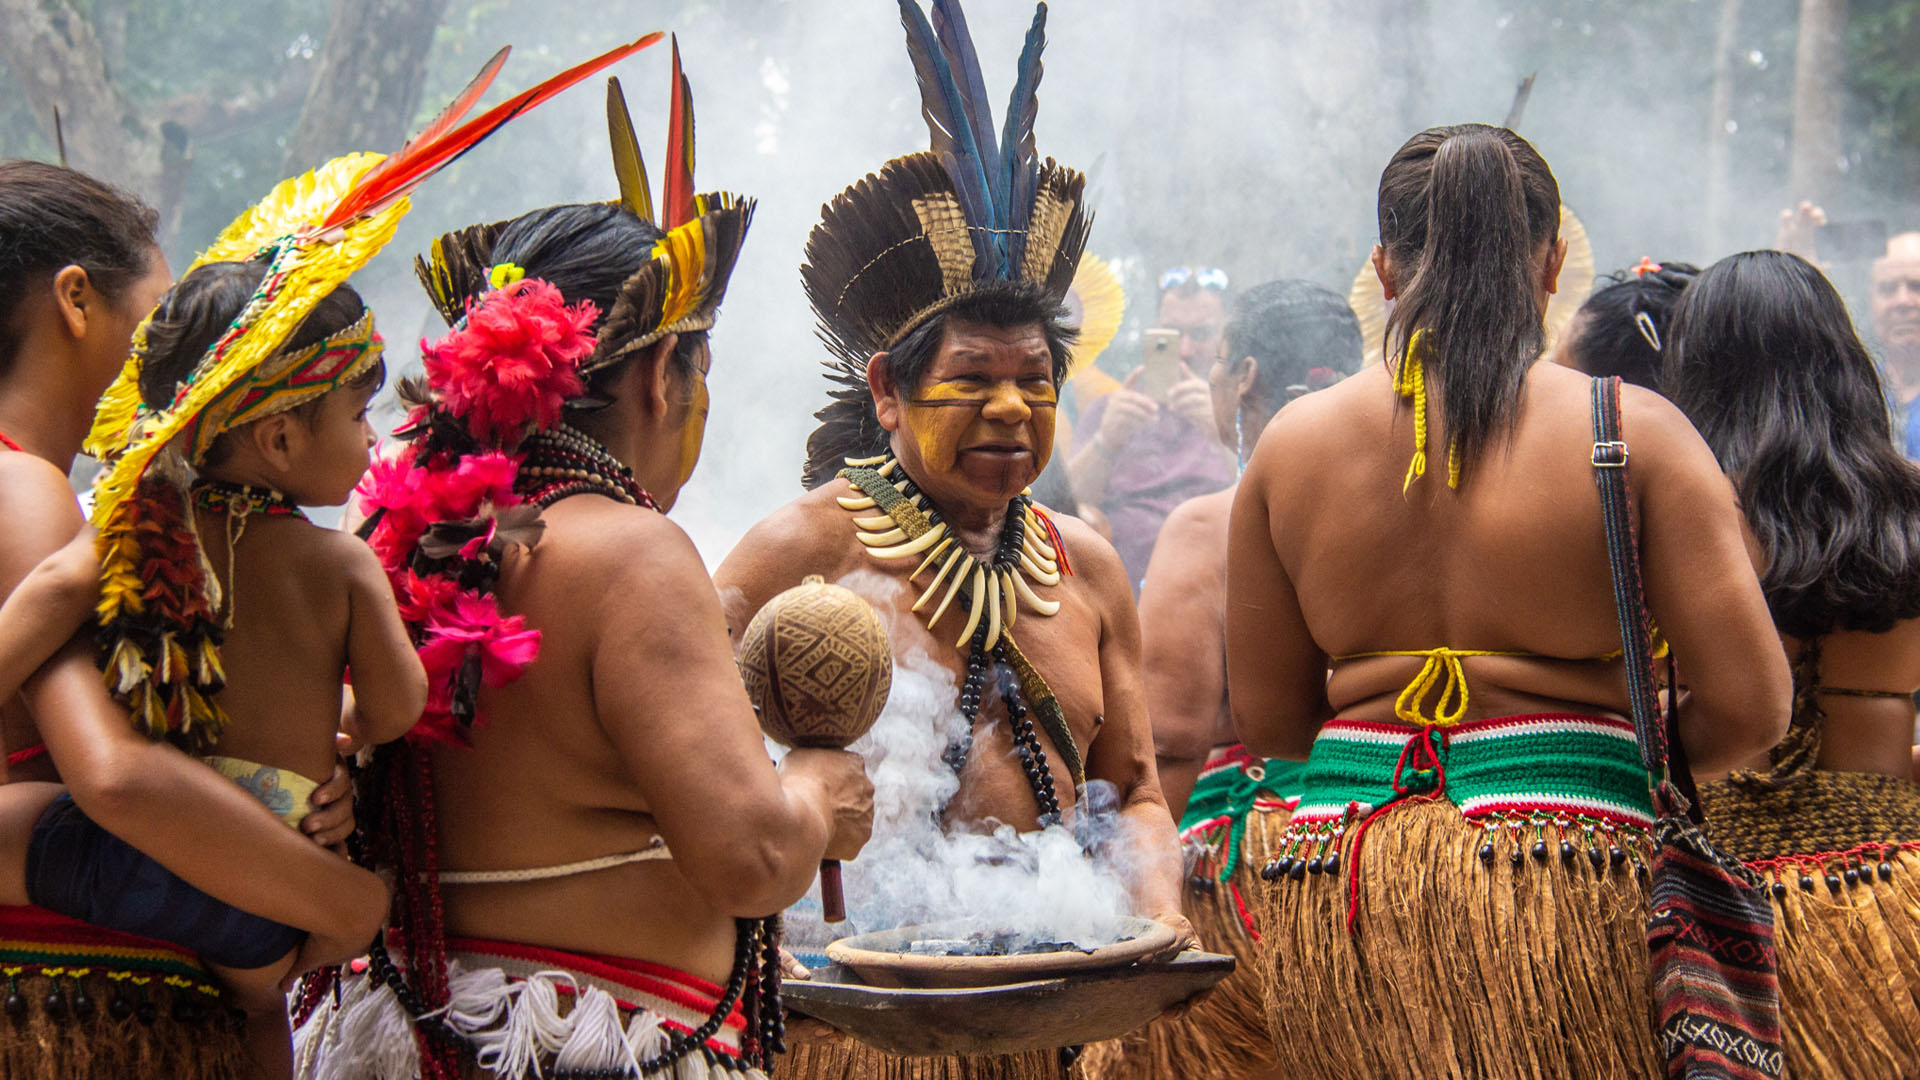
[{"x": 695, "y": 431}]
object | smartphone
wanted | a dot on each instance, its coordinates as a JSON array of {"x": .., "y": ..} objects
[
  {"x": 1161, "y": 368},
  {"x": 1850, "y": 241}
]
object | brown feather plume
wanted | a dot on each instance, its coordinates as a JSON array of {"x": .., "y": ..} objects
[{"x": 456, "y": 271}]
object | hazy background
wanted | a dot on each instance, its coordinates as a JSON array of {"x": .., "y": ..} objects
[{"x": 1243, "y": 135}]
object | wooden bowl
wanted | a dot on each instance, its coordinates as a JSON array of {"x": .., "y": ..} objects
[
  {"x": 879, "y": 960},
  {"x": 1069, "y": 1011},
  {"x": 817, "y": 665}
]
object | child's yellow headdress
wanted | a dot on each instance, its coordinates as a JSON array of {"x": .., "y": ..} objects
[{"x": 159, "y": 637}]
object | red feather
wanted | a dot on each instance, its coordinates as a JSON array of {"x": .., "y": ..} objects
[
  {"x": 679, "y": 185},
  {"x": 456, "y": 111},
  {"x": 400, "y": 174}
]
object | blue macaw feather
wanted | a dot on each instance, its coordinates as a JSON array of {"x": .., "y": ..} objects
[
  {"x": 1019, "y": 161},
  {"x": 944, "y": 106},
  {"x": 956, "y": 43}
]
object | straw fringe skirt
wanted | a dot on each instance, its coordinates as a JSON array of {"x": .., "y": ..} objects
[
  {"x": 1459, "y": 966},
  {"x": 817, "y": 1052},
  {"x": 1846, "y": 920},
  {"x": 1225, "y": 1036},
  {"x": 100, "y": 1047}
]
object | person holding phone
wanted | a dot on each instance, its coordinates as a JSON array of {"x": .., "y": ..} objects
[{"x": 1151, "y": 445}]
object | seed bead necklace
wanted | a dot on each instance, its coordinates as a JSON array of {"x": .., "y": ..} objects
[{"x": 563, "y": 461}]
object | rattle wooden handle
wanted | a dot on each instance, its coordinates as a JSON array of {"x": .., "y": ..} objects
[{"x": 833, "y": 902}]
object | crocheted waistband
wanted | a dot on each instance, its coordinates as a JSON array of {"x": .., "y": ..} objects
[{"x": 1559, "y": 763}]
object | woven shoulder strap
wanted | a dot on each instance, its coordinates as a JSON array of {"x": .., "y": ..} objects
[{"x": 1651, "y": 727}]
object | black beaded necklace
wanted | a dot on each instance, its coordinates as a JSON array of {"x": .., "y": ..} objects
[
  {"x": 1026, "y": 742},
  {"x": 563, "y": 461},
  {"x": 226, "y": 497}
]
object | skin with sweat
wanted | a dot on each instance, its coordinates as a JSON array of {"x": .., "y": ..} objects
[{"x": 973, "y": 434}]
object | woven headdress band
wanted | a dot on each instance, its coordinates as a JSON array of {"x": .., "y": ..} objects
[{"x": 286, "y": 381}]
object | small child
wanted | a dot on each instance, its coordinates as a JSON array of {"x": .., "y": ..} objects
[{"x": 299, "y": 605}]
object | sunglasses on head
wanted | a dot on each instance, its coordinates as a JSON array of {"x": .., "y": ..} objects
[{"x": 1210, "y": 277}]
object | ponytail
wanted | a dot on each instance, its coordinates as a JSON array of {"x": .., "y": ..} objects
[{"x": 1463, "y": 212}]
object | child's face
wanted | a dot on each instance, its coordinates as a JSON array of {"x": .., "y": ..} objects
[{"x": 332, "y": 456}]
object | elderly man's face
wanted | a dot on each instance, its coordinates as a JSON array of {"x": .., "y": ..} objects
[
  {"x": 1896, "y": 295},
  {"x": 979, "y": 426}
]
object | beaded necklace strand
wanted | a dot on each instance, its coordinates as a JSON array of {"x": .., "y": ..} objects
[
  {"x": 563, "y": 461},
  {"x": 994, "y": 592}
]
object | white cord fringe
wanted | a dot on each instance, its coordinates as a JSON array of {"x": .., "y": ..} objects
[{"x": 514, "y": 1026}]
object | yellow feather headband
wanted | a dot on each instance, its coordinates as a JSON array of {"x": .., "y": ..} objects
[{"x": 303, "y": 269}]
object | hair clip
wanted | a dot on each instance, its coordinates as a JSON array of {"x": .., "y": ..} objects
[
  {"x": 1647, "y": 266},
  {"x": 504, "y": 274},
  {"x": 1644, "y": 323}
]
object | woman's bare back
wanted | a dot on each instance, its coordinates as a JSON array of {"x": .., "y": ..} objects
[{"x": 1513, "y": 561}]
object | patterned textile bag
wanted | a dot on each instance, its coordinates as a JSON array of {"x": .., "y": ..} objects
[{"x": 1716, "y": 986}]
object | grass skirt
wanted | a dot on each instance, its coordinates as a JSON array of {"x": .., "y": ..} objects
[
  {"x": 1839, "y": 854},
  {"x": 149, "y": 1009},
  {"x": 818, "y": 1052},
  {"x": 1225, "y": 1036},
  {"x": 1458, "y": 965}
]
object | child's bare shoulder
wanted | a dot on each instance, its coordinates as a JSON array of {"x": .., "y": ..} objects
[{"x": 326, "y": 558}]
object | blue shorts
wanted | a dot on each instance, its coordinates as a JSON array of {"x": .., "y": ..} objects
[{"x": 78, "y": 869}]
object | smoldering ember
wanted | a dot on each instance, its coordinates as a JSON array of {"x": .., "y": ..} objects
[{"x": 960, "y": 539}]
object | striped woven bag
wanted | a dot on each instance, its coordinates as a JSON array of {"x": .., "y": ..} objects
[{"x": 1716, "y": 986}]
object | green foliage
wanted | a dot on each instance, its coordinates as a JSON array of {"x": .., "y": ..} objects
[{"x": 1883, "y": 53}]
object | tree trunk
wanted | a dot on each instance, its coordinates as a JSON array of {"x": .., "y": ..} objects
[
  {"x": 368, "y": 85},
  {"x": 1720, "y": 133},
  {"x": 1818, "y": 68},
  {"x": 51, "y": 47}
]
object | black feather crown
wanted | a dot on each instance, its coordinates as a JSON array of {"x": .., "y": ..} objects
[{"x": 970, "y": 215}]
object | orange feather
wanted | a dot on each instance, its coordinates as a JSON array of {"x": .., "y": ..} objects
[
  {"x": 403, "y": 172},
  {"x": 678, "y": 195}
]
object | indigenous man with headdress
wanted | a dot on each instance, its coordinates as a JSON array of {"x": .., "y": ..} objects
[
  {"x": 938, "y": 283},
  {"x": 589, "y": 842}
]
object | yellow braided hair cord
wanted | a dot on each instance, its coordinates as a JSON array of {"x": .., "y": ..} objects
[{"x": 1410, "y": 381}]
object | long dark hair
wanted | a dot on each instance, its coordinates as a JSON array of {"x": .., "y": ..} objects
[
  {"x": 53, "y": 217},
  {"x": 1463, "y": 211},
  {"x": 1623, "y": 324},
  {"x": 1762, "y": 357}
]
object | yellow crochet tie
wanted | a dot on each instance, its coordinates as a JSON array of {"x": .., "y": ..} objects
[
  {"x": 1442, "y": 669},
  {"x": 1410, "y": 381}
]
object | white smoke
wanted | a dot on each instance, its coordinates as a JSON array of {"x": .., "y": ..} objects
[{"x": 1037, "y": 886}]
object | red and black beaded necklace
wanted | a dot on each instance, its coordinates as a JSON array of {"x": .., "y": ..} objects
[{"x": 244, "y": 500}]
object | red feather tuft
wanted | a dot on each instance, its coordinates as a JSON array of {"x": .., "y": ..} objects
[
  {"x": 679, "y": 184},
  {"x": 399, "y": 174},
  {"x": 456, "y": 111}
]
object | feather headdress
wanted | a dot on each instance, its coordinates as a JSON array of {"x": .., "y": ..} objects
[
  {"x": 970, "y": 214},
  {"x": 677, "y": 290},
  {"x": 159, "y": 636}
]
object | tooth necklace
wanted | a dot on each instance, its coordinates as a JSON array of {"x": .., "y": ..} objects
[
  {"x": 908, "y": 525},
  {"x": 992, "y": 593}
]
